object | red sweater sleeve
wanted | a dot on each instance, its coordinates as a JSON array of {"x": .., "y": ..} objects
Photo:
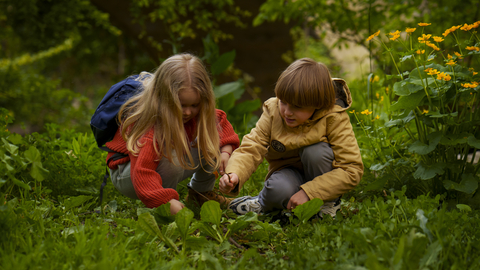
[
  {"x": 225, "y": 131},
  {"x": 145, "y": 179}
]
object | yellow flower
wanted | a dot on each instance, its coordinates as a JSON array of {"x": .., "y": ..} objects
[
  {"x": 473, "y": 48},
  {"x": 466, "y": 27},
  {"x": 451, "y": 63},
  {"x": 375, "y": 78},
  {"x": 458, "y": 55},
  {"x": 425, "y": 111},
  {"x": 424, "y": 38},
  {"x": 377, "y": 95},
  {"x": 377, "y": 117},
  {"x": 470, "y": 85},
  {"x": 438, "y": 39},
  {"x": 410, "y": 30},
  {"x": 394, "y": 35},
  {"x": 475, "y": 24},
  {"x": 386, "y": 90},
  {"x": 381, "y": 98},
  {"x": 420, "y": 51},
  {"x": 450, "y": 30},
  {"x": 474, "y": 73},
  {"x": 431, "y": 45},
  {"x": 424, "y": 24},
  {"x": 366, "y": 112},
  {"x": 352, "y": 111},
  {"x": 432, "y": 71},
  {"x": 374, "y": 35},
  {"x": 440, "y": 76}
]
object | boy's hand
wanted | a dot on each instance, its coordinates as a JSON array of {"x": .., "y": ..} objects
[
  {"x": 228, "y": 182},
  {"x": 175, "y": 206},
  {"x": 298, "y": 198}
]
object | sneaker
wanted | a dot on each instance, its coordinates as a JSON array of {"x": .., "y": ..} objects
[
  {"x": 199, "y": 198},
  {"x": 330, "y": 208},
  {"x": 243, "y": 205}
]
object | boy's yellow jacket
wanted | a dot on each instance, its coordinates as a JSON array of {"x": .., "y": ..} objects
[{"x": 280, "y": 145}]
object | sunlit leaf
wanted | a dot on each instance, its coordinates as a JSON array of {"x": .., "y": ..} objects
[
  {"x": 307, "y": 210},
  {"x": 211, "y": 212}
]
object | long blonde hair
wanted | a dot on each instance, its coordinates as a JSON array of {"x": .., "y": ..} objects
[
  {"x": 158, "y": 105},
  {"x": 306, "y": 83}
]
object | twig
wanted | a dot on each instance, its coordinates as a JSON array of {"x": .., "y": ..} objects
[{"x": 233, "y": 242}]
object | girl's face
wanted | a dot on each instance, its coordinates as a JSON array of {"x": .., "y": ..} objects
[
  {"x": 190, "y": 100},
  {"x": 294, "y": 115}
]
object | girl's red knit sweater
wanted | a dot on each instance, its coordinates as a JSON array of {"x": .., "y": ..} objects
[{"x": 146, "y": 181}]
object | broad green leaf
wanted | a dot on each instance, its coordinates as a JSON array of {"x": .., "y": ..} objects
[
  {"x": 400, "y": 88},
  {"x": 196, "y": 243},
  {"x": 468, "y": 185},
  {"x": 408, "y": 102},
  {"x": 209, "y": 230},
  {"x": 464, "y": 208},
  {"x": 418, "y": 83},
  {"x": 246, "y": 107},
  {"x": 400, "y": 250},
  {"x": 377, "y": 184},
  {"x": 15, "y": 138},
  {"x": 237, "y": 88},
  {"x": 307, "y": 210},
  {"x": 12, "y": 149},
  {"x": 183, "y": 219},
  {"x": 379, "y": 166},
  {"x": 34, "y": 157},
  {"x": 20, "y": 183},
  {"x": 439, "y": 115},
  {"x": 454, "y": 139},
  {"x": 243, "y": 221},
  {"x": 2, "y": 182},
  {"x": 162, "y": 214},
  {"x": 223, "y": 62},
  {"x": 426, "y": 172},
  {"x": 147, "y": 222},
  {"x": 473, "y": 142},
  {"x": 431, "y": 255},
  {"x": 76, "y": 201},
  {"x": 211, "y": 212},
  {"x": 422, "y": 148}
]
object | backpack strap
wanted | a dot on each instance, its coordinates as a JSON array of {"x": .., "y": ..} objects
[{"x": 114, "y": 157}]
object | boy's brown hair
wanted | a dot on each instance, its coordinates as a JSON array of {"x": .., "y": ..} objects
[{"x": 306, "y": 83}]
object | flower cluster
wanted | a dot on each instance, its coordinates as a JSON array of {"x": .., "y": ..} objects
[
  {"x": 366, "y": 112},
  {"x": 470, "y": 85},
  {"x": 395, "y": 35}
]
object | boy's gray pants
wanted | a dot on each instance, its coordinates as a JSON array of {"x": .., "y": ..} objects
[
  {"x": 202, "y": 180},
  {"x": 317, "y": 159}
]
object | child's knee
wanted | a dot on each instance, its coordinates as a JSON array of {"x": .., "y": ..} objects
[{"x": 317, "y": 153}]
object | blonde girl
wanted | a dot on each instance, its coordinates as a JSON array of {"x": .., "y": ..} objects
[{"x": 169, "y": 131}]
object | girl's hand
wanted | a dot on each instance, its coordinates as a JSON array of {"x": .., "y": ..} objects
[
  {"x": 224, "y": 157},
  {"x": 225, "y": 153},
  {"x": 175, "y": 206},
  {"x": 298, "y": 198},
  {"x": 227, "y": 183}
]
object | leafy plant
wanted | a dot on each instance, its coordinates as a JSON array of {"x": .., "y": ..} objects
[{"x": 432, "y": 123}]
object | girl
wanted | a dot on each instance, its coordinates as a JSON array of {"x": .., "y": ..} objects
[
  {"x": 306, "y": 136},
  {"x": 169, "y": 131}
]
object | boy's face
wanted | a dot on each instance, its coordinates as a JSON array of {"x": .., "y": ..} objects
[{"x": 294, "y": 115}]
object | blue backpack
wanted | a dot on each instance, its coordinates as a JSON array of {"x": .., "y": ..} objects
[{"x": 104, "y": 121}]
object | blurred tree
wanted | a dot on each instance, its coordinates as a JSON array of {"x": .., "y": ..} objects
[{"x": 355, "y": 20}]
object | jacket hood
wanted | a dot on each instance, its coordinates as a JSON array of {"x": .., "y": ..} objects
[{"x": 343, "y": 100}]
